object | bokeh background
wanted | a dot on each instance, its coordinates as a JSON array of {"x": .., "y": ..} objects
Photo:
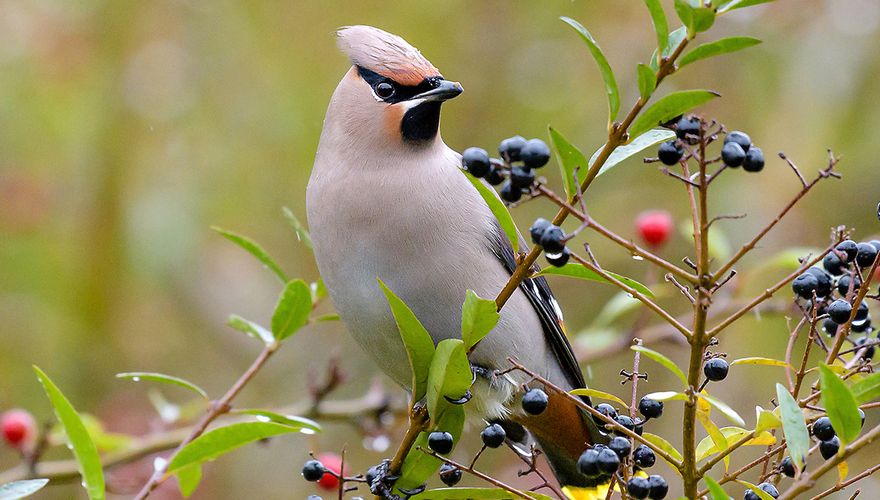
[{"x": 128, "y": 128}]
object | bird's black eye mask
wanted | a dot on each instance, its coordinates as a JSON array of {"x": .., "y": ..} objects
[{"x": 392, "y": 92}]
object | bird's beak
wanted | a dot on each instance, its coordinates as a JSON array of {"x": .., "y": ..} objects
[{"x": 444, "y": 91}]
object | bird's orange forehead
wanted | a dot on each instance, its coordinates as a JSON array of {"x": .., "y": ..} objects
[
  {"x": 408, "y": 74},
  {"x": 385, "y": 54}
]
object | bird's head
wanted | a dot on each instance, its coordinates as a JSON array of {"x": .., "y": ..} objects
[{"x": 392, "y": 94}]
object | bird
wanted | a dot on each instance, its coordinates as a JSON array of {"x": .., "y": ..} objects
[{"x": 387, "y": 199}]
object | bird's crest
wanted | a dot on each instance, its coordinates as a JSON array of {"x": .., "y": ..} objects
[{"x": 386, "y": 54}]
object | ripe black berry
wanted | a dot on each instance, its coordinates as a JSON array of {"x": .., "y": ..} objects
[
  {"x": 493, "y": 436},
  {"x": 829, "y": 448},
  {"x": 787, "y": 467},
  {"x": 450, "y": 474},
  {"x": 766, "y": 488},
  {"x": 607, "y": 410},
  {"x": 658, "y": 487},
  {"x": 862, "y": 312},
  {"x": 313, "y": 470},
  {"x": 670, "y": 153},
  {"x": 804, "y": 285},
  {"x": 538, "y": 228},
  {"x": 534, "y": 402},
  {"x": 740, "y": 138},
  {"x": 510, "y": 148},
  {"x": 875, "y": 244},
  {"x": 494, "y": 177},
  {"x": 638, "y": 487},
  {"x": 559, "y": 259},
  {"x": 588, "y": 463},
  {"x": 862, "y": 414},
  {"x": 861, "y": 326},
  {"x": 521, "y": 177},
  {"x": 650, "y": 408},
  {"x": 849, "y": 249},
  {"x": 644, "y": 457},
  {"x": 732, "y": 154},
  {"x": 440, "y": 441},
  {"x": 608, "y": 461},
  {"x": 839, "y": 311},
  {"x": 830, "y": 326},
  {"x": 833, "y": 264},
  {"x": 476, "y": 161},
  {"x": 624, "y": 421},
  {"x": 688, "y": 126},
  {"x": 535, "y": 153},
  {"x": 822, "y": 429},
  {"x": 510, "y": 194},
  {"x": 553, "y": 239},
  {"x": 754, "y": 161},
  {"x": 716, "y": 369},
  {"x": 823, "y": 281},
  {"x": 844, "y": 282},
  {"x": 621, "y": 446},
  {"x": 866, "y": 255},
  {"x": 869, "y": 351}
]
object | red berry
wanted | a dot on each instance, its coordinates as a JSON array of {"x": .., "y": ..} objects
[
  {"x": 331, "y": 462},
  {"x": 19, "y": 428},
  {"x": 654, "y": 226}
]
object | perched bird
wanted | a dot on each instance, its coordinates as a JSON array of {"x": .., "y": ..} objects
[{"x": 386, "y": 199}]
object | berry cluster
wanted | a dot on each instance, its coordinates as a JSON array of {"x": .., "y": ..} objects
[
  {"x": 519, "y": 158},
  {"x": 552, "y": 239},
  {"x": 737, "y": 151},
  {"x": 767, "y": 488}
]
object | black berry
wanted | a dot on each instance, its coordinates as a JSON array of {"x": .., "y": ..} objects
[
  {"x": 833, "y": 264},
  {"x": 534, "y": 402},
  {"x": 688, "y": 128},
  {"x": 638, "y": 487},
  {"x": 521, "y": 177},
  {"x": 535, "y": 153},
  {"x": 862, "y": 312},
  {"x": 624, "y": 421},
  {"x": 823, "y": 281},
  {"x": 866, "y": 255},
  {"x": 822, "y": 429},
  {"x": 608, "y": 461},
  {"x": 644, "y": 457},
  {"x": 861, "y": 326},
  {"x": 787, "y": 467},
  {"x": 862, "y": 414},
  {"x": 830, "y": 326},
  {"x": 494, "y": 177},
  {"x": 313, "y": 470},
  {"x": 875, "y": 244},
  {"x": 829, "y": 448},
  {"x": 650, "y": 408},
  {"x": 804, "y": 285},
  {"x": 510, "y": 194},
  {"x": 658, "y": 487},
  {"x": 450, "y": 474},
  {"x": 716, "y": 369},
  {"x": 732, "y": 154},
  {"x": 493, "y": 436},
  {"x": 844, "y": 282},
  {"x": 754, "y": 161},
  {"x": 869, "y": 351},
  {"x": 607, "y": 410},
  {"x": 621, "y": 446},
  {"x": 766, "y": 488},
  {"x": 670, "y": 153},
  {"x": 839, "y": 311},
  {"x": 588, "y": 463},
  {"x": 553, "y": 239},
  {"x": 538, "y": 228},
  {"x": 559, "y": 259},
  {"x": 476, "y": 161},
  {"x": 510, "y": 148},
  {"x": 440, "y": 441},
  {"x": 740, "y": 138},
  {"x": 849, "y": 249}
]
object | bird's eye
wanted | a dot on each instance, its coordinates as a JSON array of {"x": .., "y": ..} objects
[{"x": 384, "y": 90}]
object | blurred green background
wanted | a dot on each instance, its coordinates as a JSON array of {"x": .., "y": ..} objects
[{"x": 127, "y": 128}]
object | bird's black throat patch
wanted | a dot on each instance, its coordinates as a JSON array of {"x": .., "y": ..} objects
[{"x": 420, "y": 123}]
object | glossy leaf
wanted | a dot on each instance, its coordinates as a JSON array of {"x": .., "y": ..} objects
[
  {"x": 760, "y": 361},
  {"x": 766, "y": 420},
  {"x": 574, "y": 270},
  {"x": 840, "y": 404},
  {"x": 449, "y": 375},
  {"x": 647, "y": 81},
  {"x": 21, "y": 489},
  {"x": 418, "y": 343},
  {"x": 794, "y": 427},
  {"x": 667, "y": 396},
  {"x": 763, "y": 495},
  {"x": 292, "y": 310},
  {"x": 867, "y": 389},
  {"x": 165, "y": 379},
  {"x": 498, "y": 209},
  {"x": 663, "y": 360},
  {"x": 478, "y": 317},
  {"x": 618, "y": 305},
  {"x": 721, "y": 406},
  {"x": 675, "y": 39},
  {"x": 696, "y": 18},
  {"x": 658, "y": 19},
  {"x": 593, "y": 393},
  {"x": 302, "y": 234},
  {"x": 739, "y": 4},
  {"x": 84, "y": 450},
  {"x": 188, "y": 479},
  {"x": 662, "y": 444},
  {"x": 473, "y": 494},
  {"x": 637, "y": 145},
  {"x": 715, "y": 434},
  {"x": 216, "y": 442},
  {"x": 604, "y": 68},
  {"x": 250, "y": 328},
  {"x": 718, "y": 47},
  {"x": 302, "y": 424},
  {"x": 570, "y": 159},
  {"x": 418, "y": 466},
  {"x": 707, "y": 446},
  {"x": 716, "y": 492},
  {"x": 254, "y": 249},
  {"x": 668, "y": 107}
]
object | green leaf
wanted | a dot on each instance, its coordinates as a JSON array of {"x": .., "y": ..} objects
[
  {"x": 302, "y": 234},
  {"x": 794, "y": 427},
  {"x": 570, "y": 159},
  {"x": 715, "y": 434},
  {"x": 498, "y": 209},
  {"x": 318, "y": 290},
  {"x": 604, "y": 68},
  {"x": 675, "y": 39},
  {"x": 739, "y": 4},
  {"x": 620, "y": 304},
  {"x": 867, "y": 389},
  {"x": 574, "y": 270},
  {"x": 696, "y": 18},
  {"x": 707, "y": 447},
  {"x": 663, "y": 360},
  {"x": 254, "y": 249},
  {"x": 593, "y": 393},
  {"x": 250, "y": 328},
  {"x": 188, "y": 479},
  {"x": 450, "y": 374},
  {"x": 214, "y": 443},
  {"x": 721, "y": 406},
  {"x": 418, "y": 466},
  {"x": 647, "y": 81},
  {"x": 165, "y": 379},
  {"x": 841, "y": 405},
  {"x": 292, "y": 310},
  {"x": 418, "y": 343},
  {"x": 473, "y": 494},
  {"x": 668, "y": 107},
  {"x": 301, "y": 424},
  {"x": 715, "y": 489},
  {"x": 21, "y": 489},
  {"x": 763, "y": 495},
  {"x": 667, "y": 396},
  {"x": 87, "y": 459},
  {"x": 663, "y": 444},
  {"x": 478, "y": 317},
  {"x": 760, "y": 361},
  {"x": 718, "y": 47},
  {"x": 766, "y": 420},
  {"x": 658, "y": 19},
  {"x": 637, "y": 145}
]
